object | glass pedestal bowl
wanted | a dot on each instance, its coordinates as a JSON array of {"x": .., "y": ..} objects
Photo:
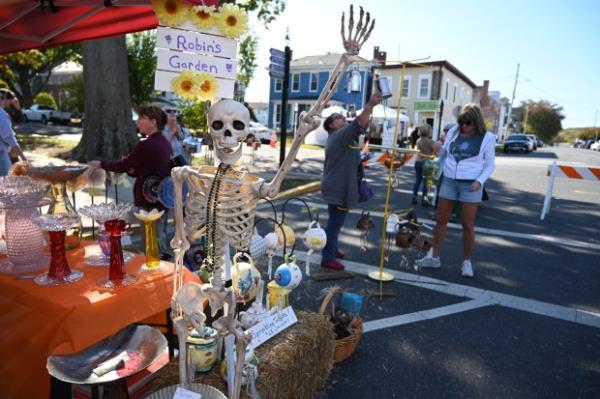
[{"x": 58, "y": 176}]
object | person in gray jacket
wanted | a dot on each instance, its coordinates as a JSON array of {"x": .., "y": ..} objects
[{"x": 339, "y": 185}]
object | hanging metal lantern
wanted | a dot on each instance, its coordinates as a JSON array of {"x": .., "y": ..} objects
[
  {"x": 354, "y": 82},
  {"x": 364, "y": 224}
]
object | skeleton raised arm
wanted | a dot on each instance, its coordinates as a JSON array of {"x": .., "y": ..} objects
[{"x": 309, "y": 121}]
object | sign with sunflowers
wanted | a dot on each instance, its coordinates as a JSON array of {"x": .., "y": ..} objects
[{"x": 197, "y": 47}]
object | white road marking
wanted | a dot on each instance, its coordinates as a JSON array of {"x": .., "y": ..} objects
[
  {"x": 565, "y": 242},
  {"x": 560, "y": 312},
  {"x": 423, "y": 315}
]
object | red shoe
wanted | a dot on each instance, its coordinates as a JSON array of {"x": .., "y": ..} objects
[
  {"x": 339, "y": 254},
  {"x": 332, "y": 264}
]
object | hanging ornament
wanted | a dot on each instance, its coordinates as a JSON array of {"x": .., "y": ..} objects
[
  {"x": 271, "y": 243},
  {"x": 285, "y": 234},
  {"x": 391, "y": 227},
  {"x": 258, "y": 246},
  {"x": 288, "y": 274},
  {"x": 364, "y": 224},
  {"x": 245, "y": 278},
  {"x": 314, "y": 239}
]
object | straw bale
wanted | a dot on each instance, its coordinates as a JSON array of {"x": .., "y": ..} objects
[{"x": 295, "y": 364}]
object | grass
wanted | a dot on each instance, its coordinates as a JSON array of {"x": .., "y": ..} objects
[{"x": 50, "y": 146}]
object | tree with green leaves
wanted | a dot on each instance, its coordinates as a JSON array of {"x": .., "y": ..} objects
[
  {"x": 543, "y": 119},
  {"x": 247, "y": 59},
  {"x": 28, "y": 72},
  {"x": 141, "y": 61}
]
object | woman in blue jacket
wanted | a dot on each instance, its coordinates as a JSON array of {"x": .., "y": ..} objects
[{"x": 469, "y": 153}]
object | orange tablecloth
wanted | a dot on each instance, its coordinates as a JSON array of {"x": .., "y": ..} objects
[{"x": 39, "y": 321}]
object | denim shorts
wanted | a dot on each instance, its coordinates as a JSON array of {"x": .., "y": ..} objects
[{"x": 456, "y": 190}]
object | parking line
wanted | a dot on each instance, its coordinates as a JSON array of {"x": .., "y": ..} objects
[
  {"x": 423, "y": 315},
  {"x": 560, "y": 312},
  {"x": 566, "y": 242}
]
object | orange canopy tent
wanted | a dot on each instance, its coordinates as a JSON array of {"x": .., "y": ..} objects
[{"x": 29, "y": 24}]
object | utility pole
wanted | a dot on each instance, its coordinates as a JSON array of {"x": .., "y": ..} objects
[{"x": 508, "y": 119}]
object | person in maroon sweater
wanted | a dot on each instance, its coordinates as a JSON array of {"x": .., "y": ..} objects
[{"x": 150, "y": 157}]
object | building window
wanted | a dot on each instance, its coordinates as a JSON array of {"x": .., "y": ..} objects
[
  {"x": 454, "y": 94},
  {"x": 277, "y": 114},
  {"x": 406, "y": 87},
  {"x": 296, "y": 82},
  {"x": 447, "y": 84},
  {"x": 314, "y": 82},
  {"x": 424, "y": 82},
  {"x": 278, "y": 85}
]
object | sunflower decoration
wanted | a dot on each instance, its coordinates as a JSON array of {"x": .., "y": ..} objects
[
  {"x": 203, "y": 16},
  {"x": 207, "y": 86},
  {"x": 231, "y": 20},
  {"x": 186, "y": 85},
  {"x": 171, "y": 12}
]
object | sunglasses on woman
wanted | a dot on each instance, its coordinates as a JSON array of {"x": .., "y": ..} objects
[
  {"x": 171, "y": 111},
  {"x": 465, "y": 123}
]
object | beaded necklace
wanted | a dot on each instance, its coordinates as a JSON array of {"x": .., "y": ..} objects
[{"x": 211, "y": 215}]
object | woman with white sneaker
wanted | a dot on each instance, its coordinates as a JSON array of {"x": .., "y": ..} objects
[{"x": 469, "y": 153}]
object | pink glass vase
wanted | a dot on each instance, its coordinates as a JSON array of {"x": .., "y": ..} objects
[{"x": 117, "y": 277}]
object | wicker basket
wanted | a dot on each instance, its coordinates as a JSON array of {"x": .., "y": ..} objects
[{"x": 344, "y": 347}]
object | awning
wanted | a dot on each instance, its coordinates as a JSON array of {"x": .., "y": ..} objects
[{"x": 29, "y": 24}]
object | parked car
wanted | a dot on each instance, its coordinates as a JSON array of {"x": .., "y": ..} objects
[
  {"x": 37, "y": 112},
  {"x": 578, "y": 143},
  {"x": 540, "y": 142},
  {"x": 518, "y": 142},
  {"x": 63, "y": 117},
  {"x": 76, "y": 118},
  {"x": 533, "y": 138},
  {"x": 588, "y": 144},
  {"x": 259, "y": 132},
  {"x": 595, "y": 146}
]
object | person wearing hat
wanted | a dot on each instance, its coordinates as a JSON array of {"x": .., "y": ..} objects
[{"x": 8, "y": 140}]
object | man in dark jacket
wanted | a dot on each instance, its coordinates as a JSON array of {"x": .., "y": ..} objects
[{"x": 339, "y": 185}]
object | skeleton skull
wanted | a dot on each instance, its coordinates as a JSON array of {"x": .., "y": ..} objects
[{"x": 228, "y": 121}]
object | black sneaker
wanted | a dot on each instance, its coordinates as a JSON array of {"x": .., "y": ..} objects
[{"x": 414, "y": 201}]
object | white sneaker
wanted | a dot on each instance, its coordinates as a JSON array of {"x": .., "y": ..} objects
[
  {"x": 429, "y": 261},
  {"x": 467, "y": 269}
]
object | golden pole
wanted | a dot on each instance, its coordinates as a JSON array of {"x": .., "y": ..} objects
[{"x": 381, "y": 275}]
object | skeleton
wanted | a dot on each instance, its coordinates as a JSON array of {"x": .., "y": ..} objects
[{"x": 221, "y": 203}]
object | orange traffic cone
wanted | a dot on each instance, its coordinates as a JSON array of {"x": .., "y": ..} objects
[{"x": 273, "y": 141}]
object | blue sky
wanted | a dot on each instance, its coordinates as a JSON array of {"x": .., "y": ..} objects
[{"x": 556, "y": 42}]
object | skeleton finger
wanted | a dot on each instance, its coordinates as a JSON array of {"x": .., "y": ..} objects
[
  {"x": 351, "y": 22},
  {"x": 359, "y": 26},
  {"x": 366, "y": 37},
  {"x": 360, "y": 35},
  {"x": 343, "y": 29}
]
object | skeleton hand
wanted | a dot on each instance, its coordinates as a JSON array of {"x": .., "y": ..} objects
[{"x": 356, "y": 39}]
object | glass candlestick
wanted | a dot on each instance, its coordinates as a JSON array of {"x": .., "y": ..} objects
[
  {"x": 152, "y": 255},
  {"x": 117, "y": 277},
  {"x": 101, "y": 213},
  {"x": 59, "y": 272}
]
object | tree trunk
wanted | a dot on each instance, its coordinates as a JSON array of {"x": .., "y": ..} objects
[{"x": 108, "y": 130}]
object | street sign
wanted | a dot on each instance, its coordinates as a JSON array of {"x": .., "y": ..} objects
[
  {"x": 277, "y": 53},
  {"x": 277, "y": 68},
  {"x": 277, "y": 60},
  {"x": 277, "y": 75}
]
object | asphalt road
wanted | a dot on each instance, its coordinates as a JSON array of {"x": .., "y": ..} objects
[{"x": 527, "y": 325}]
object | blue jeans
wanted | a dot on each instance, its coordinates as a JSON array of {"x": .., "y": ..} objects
[
  {"x": 335, "y": 222},
  {"x": 419, "y": 179},
  {"x": 5, "y": 163}
]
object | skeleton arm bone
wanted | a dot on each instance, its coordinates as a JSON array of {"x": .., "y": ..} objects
[
  {"x": 179, "y": 243},
  {"x": 308, "y": 123}
]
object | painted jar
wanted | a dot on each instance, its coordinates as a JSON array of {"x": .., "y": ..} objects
[{"x": 202, "y": 351}]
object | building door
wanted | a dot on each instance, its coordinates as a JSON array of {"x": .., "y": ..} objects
[{"x": 430, "y": 121}]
